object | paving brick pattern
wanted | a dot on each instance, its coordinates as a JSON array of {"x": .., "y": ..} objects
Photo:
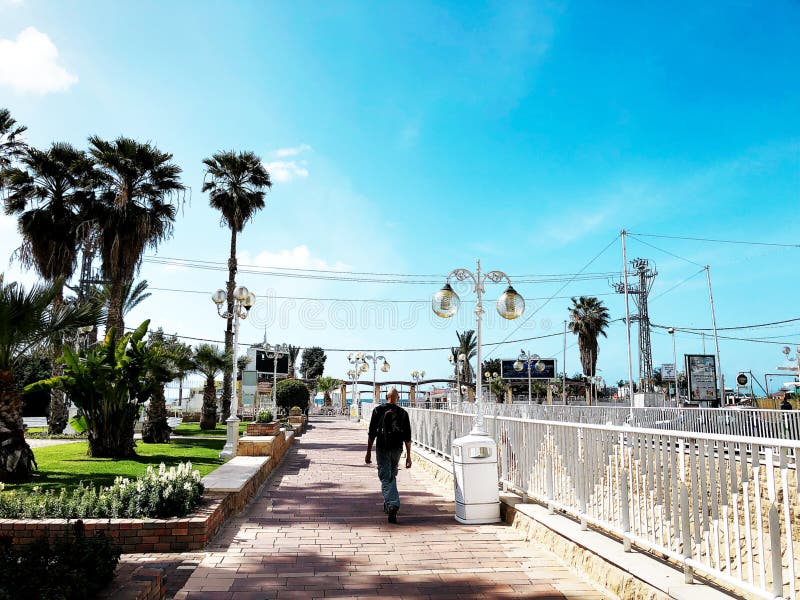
[{"x": 317, "y": 530}]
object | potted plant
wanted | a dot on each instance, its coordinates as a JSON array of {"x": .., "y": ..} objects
[
  {"x": 265, "y": 424},
  {"x": 296, "y": 415}
]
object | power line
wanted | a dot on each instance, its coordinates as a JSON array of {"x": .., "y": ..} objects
[
  {"x": 586, "y": 266},
  {"x": 756, "y": 326},
  {"x": 718, "y": 241},
  {"x": 677, "y": 285},
  {"x": 667, "y": 252}
]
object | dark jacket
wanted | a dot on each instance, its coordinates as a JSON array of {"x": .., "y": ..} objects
[{"x": 375, "y": 422}]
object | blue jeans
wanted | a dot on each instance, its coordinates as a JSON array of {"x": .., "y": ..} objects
[{"x": 387, "y": 473}]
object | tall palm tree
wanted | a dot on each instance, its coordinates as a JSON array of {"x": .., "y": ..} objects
[
  {"x": 326, "y": 385},
  {"x": 294, "y": 352},
  {"x": 138, "y": 183},
  {"x": 11, "y": 142},
  {"x": 236, "y": 183},
  {"x": 28, "y": 320},
  {"x": 468, "y": 346},
  {"x": 588, "y": 320},
  {"x": 209, "y": 360},
  {"x": 48, "y": 191},
  {"x": 183, "y": 359}
]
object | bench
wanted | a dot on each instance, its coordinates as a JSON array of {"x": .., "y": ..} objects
[
  {"x": 234, "y": 474},
  {"x": 30, "y": 422}
]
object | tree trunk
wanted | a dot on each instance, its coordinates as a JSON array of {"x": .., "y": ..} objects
[
  {"x": 111, "y": 435},
  {"x": 208, "y": 419},
  {"x": 227, "y": 376},
  {"x": 180, "y": 392},
  {"x": 16, "y": 458},
  {"x": 115, "y": 319},
  {"x": 155, "y": 429},
  {"x": 57, "y": 414}
]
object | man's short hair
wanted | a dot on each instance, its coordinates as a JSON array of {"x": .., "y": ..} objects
[{"x": 392, "y": 393}]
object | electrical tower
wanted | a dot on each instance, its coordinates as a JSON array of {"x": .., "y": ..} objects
[{"x": 640, "y": 291}]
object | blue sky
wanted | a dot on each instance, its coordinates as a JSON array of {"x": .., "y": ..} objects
[{"x": 416, "y": 138}]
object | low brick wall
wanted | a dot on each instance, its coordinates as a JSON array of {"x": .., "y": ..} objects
[
  {"x": 262, "y": 429},
  {"x": 177, "y": 534},
  {"x": 133, "y": 582}
]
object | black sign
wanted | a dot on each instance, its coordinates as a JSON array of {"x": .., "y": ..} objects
[
  {"x": 742, "y": 379},
  {"x": 547, "y": 366},
  {"x": 266, "y": 365}
]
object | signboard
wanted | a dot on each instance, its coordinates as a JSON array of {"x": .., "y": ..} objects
[
  {"x": 742, "y": 379},
  {"x": 668, "y": 371},
  {"x": 702, "y": 373},
  {"x": 266, "y": 365},
  {"x": 548, "y": 372}
]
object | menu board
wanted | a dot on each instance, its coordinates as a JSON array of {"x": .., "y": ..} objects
[{"x": 702, "y": 372}]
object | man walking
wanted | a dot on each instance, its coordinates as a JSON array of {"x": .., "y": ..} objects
[{"x": 390, "y": 427}]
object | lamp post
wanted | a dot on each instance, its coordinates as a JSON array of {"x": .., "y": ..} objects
[
  {"x": 491, "y": 378},
  {"x": 528, "y": 358},
  {"x": 416, "y": 377},
  {"x": 243, "y": 301},
  {"x": 275, "y": 352},
  {"x": 510, "y": 305},
  {"x": 458, "y": 364},
  {"x": 360, "y": 366},
  {"x": 671, "y": 331},
  {"x": 374, "y": 358}
]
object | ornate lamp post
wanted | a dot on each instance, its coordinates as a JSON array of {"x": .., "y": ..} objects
[
  {"x": 510, "y": 305},
  {"x": 529, "y": 360},
  {"x": 360, "y": 366},
  {"x": 244, "y": 299},
  {"x": 374, "y": 358},
  {"x": 458, "y": 364},
  {"x": 275, "y": 352},
  {"x": 416, "y": 377}
]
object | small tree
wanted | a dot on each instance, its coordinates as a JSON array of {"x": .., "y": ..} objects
[
  {"x": 326, "y": 385},
  {"x": 312, "y": 363},
  {"x": 292, "y": 392},
  {"x": 209, "y": 361},
  {"x": 165, "y": 350},
  {"x": 498, "y": 387},
  {"x": 109, "y": 383}
]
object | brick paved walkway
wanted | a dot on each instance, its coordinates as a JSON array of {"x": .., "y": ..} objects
[{"x": 317, "y": 530}]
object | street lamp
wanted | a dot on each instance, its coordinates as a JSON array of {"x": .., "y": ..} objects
[
  {"x": 671, "y": 331},
  {"x": 275, "y": 352},
  {"x": 458, "y": 364},
  {"x": 510, "y": 305},
  {"x": 360, "y": 366},
  {"x": 417, "y": 377},
  {"x": 244, "y": 299},
  {"x": 528, "y": 358},
  {"x": 491, "y": 378},
  {"x": 374, "y": 358}
]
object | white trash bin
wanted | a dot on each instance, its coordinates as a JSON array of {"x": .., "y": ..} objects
[{"x": 475, "y": 479}]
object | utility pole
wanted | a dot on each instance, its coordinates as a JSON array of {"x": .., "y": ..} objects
[
  {"x": 716, "y": 338},
  {"x": 627, "y": 316},
  {"x": 564, "y": 373}
]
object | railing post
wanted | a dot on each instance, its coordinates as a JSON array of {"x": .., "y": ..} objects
[
  {"x": 624, "y": 510},
  {"x": 548, "y": 472},
  {"x": 775, "y": 547},
  {"x": 686, "y": 534}
]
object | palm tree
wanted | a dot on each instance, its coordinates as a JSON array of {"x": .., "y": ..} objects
[
  {"x": 183, "y": 359},
  {"x": 161, "y": 352},
  {"x": 498, "y": 387},
  {"x": 137, "y": 183},
  {"x": 467, "y": 345},
  {"x": 28, "y": 320},
  {"x": 10, "y": 140},
  {"x": 49, "y": 191},
  {"x": 209, "y": 360},
  {"x": 588, "y": 320},
  {"x": 236, "y": 183},
  {"x": 326, "y": 385},
  {"x": 294, "y": 352}
]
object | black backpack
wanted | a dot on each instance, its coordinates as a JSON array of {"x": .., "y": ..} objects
[{"x": 390, "y": 433}]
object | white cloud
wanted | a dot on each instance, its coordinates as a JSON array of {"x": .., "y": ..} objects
[
  {"x": 298, "y": 257},
  {"x": 283, "y": 152},
  {"x": 30, "y": 64},
  {"x": 286, "y": 170}
]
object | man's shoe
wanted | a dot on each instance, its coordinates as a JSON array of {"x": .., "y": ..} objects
[
  {"x": 393, "y": 514},
  {"x": 385, "y": 510}
]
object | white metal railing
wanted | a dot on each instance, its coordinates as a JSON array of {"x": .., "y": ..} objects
[
  {"x": 777, "y": 424},
  {"x": 723, "y": 506}
]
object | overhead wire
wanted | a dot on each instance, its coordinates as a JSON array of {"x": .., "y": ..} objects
[{"x": 717, "y": 240}]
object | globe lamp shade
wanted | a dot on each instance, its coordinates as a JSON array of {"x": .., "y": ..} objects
[
  {"x": 445, "y": 302},
  {"x": 510, "y": 305}
]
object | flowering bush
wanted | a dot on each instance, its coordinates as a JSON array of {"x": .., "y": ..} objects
[{"x": 172, "y": 492}]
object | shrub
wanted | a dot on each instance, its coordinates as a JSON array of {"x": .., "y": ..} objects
[
  {"x": 172, "y": 492},
  {"x": 75, "y": 567},
  {"x": 291, "y": 392},
  {"x": 264, "y": 416},
  {"x": 78, "y": 424},
  {"x": 295, "y": 411}
]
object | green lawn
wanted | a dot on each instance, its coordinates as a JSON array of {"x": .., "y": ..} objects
[
  {"x": 190, "y": 429},
  {"x": 66, "y": 465}
]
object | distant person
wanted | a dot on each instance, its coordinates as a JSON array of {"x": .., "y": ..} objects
[
  {"x": 786, "y": 405},
  {"x": 391, "y": 429}
]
